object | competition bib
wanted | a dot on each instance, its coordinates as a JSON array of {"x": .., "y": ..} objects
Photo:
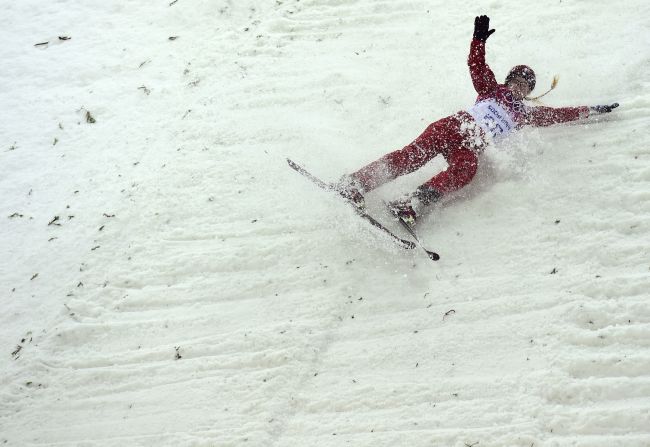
[{"x": 492, "y": 118}]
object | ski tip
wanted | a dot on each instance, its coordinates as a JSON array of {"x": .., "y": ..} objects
[{"x": 433, "y": 256}]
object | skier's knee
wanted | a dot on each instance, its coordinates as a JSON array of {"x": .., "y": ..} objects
[{"x": 465, "y": 161}]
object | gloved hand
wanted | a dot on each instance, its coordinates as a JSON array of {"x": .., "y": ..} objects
[
  {"x": 481, "y": 28},
  {"x": 603, "y": 109}
]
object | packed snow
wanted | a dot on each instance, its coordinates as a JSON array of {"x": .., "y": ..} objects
[{"x": 167, "y": 280}]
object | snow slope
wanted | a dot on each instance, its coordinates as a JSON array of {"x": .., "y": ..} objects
[{"x": 196, "y": 292}]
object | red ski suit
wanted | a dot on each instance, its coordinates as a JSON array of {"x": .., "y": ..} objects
[{"x": 459, "y": 137}]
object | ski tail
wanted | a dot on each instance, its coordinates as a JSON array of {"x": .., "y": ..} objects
[{"x": 431, "y": 254}]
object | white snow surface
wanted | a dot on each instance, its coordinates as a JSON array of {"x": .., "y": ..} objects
[{"x": 195, "y": 291}]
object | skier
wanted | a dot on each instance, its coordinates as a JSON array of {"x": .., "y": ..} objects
[{"x": 460, "y": 138}]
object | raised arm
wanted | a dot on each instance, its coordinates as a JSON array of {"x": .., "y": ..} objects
[{"x": 482, "y": 76}]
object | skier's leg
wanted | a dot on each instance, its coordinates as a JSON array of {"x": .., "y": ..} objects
[
  {"x": 463, "y": 164},
  {"x": 405, "y": 160}
]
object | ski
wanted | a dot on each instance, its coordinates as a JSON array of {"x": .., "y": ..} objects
[
  {"x": 431, "y": 254},
  {"x": 403, "y": 243}
]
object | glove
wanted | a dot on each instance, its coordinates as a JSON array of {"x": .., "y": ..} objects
[
  {"x": 481, "y": 28},
  {"x": 603, "y": 109}
]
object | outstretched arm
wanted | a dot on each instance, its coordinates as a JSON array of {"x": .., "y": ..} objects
[
  {"x": 547, "y": 116},
  {"x": 482, "y": 76}
]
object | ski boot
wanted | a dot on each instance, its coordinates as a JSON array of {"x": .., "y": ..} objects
[
  {"x": 407, "y": 208},
  {"x": 403, "y": 210},
  {"x": 351, "y": 190}
]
